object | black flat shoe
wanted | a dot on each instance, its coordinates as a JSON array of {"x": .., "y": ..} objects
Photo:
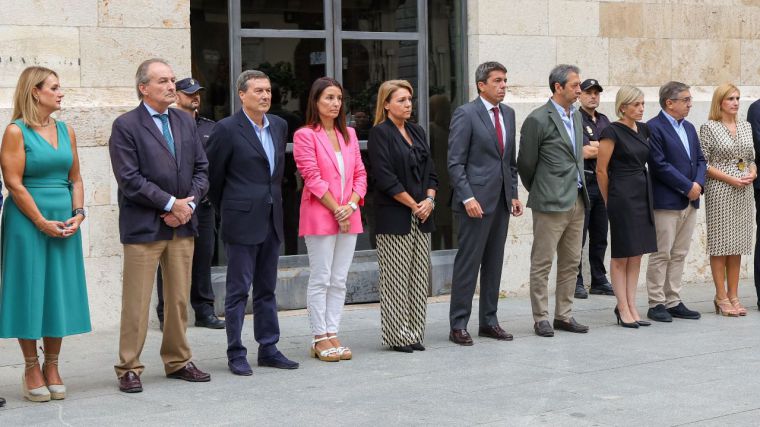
[
  {"x": 417, "y": 346},
  {"x": 644, "y": 323},
  {"x": 634, "y": 325},
  {"x": 402, "y": 348}
]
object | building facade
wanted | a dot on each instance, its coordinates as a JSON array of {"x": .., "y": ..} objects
[{"x": 96, "y": 45}]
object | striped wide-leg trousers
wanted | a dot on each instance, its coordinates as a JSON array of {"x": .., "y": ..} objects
[{"x": 404, "y": 278}]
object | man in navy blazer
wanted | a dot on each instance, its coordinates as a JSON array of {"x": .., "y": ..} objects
[
  {"x": 246, "y": 153},
  {"x": 161, "y": 170},
  {"x": 677, "y": 168},
  {"x": 753, "y": 117}
]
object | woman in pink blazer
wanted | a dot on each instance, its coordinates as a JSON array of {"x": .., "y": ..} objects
[{"x": 327, "y": 155}]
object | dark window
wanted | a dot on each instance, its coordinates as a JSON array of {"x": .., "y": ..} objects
[{"x": 282, "y": 14}]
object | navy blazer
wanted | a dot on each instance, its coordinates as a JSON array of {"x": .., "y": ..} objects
[
  {"x": 148, "y": 175},
  {"x": 753, "y": 117},
  {"x": 241, "y": 187},
  {"x": 672, "y": 171}
]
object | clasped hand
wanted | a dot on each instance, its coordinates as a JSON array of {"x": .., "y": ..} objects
[
  {"x": 180, "y": 214},
  {"x": 423, "y": 210},
  {"x": 59, "y": 228}
]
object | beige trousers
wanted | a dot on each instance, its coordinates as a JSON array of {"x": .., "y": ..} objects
[
  {"x": 559, "y": 233},
  {"x": 140, "y": 264},
  {"x": 665, "y": 267}
]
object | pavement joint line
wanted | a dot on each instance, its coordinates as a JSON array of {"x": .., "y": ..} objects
[{"x": 717, "y": 417}]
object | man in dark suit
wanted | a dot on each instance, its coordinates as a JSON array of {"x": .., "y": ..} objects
[
  {"x": 483, "y": 175},
  {"x": 677, "y": 168},
  {"x": 551, "y": 168},
  {"x": 753, "y": 117},
  {"x": 246, "y": 154},
  {"x": 161, "y": 169}
]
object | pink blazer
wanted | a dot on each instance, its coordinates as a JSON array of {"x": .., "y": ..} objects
[{"x": 318, "y": 165}]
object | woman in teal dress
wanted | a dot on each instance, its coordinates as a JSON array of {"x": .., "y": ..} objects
[{"x": 43, "y": 292}]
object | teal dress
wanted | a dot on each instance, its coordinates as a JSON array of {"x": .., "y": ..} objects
[{"x": 43, "y": 291}]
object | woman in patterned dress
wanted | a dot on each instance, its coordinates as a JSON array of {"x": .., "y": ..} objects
[
  {"x": 727, "y": 144},
  {"x": 401, "y": 167}
]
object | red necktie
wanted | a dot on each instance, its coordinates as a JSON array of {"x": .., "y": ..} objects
[{"x": 499, "y": 135}]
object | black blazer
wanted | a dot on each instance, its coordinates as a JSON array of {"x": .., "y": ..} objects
[
  {"x": 148, "y": 175},
  {"x": 392, "y": 168},
  {"x": 241, "y": 187}
]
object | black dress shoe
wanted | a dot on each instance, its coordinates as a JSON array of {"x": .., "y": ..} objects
[
  {"x": 643, "y": 323},
  {"x": 659, "y": 313},
  {"x": 240, "y": 367},
  {"x": 495, "y": 332},
  {"x": 680, "y": 311},
  {"x": 161, "y": 325},
  {"x": 602, "y": 289},
  {"x": 211, "y": 322},
  {"x": 2, "y": 402},
  {"x": 460, "y": 336},
  {"x": 417, "y": 346},
  {"x": 620, "y": 321},
  {"x": 130, "y": 383},
  {"x": 543, "y": 329},
  {"x": 279, "y": 361},
  {"x": 402, "y": 348},
  {"x": 570, "y": 326},
  {"x": 580, "y": 292}
]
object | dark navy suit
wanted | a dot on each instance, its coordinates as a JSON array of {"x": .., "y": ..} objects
[
  {"x": 753, "y": 117},
  {"x": 249, "y": 199}
]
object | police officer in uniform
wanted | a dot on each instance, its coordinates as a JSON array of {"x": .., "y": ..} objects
[
  {"x": 595, "y": 225},
  {"x": 201, "y": 292}
]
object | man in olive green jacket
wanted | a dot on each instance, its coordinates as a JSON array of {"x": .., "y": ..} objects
[{"x": 550, "y": 164}]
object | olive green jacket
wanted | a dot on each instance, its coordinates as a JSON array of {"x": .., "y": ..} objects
[{"x": 548, "y": 166}]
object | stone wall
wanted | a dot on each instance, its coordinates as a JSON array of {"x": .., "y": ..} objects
[
  {"x": 639, "y": 42},
  {"x": 95, "y": 46}
]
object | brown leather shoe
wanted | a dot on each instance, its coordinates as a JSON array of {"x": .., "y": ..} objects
[
  {"x": 495, "y": 332},
  {"x": 543, "y": 329},
  {"x": 461, "y": 337},
  {"x": 190, "y": 373},
  {"x": 130, "y": 383},
  {"x": 570, "y": 326}
]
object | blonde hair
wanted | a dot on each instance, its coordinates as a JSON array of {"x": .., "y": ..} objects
[
  {"x": 626, "y": 95},
  {"x": 24, "y": 102},
  {"x": 384, "y": 94},
  {"x": 721, "y": 93}
]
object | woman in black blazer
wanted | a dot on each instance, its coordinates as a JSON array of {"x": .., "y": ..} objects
[{"x": 405, "y": 186}]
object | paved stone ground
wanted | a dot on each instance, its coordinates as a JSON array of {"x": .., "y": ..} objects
[{"x": 704, "y": 372}]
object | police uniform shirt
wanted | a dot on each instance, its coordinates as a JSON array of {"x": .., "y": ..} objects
[{"x": 591, "y": 132}]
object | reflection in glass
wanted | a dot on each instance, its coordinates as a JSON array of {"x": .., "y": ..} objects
[
  {"x": 282, "y": 14},
  {"x": 379, "y": 15}
]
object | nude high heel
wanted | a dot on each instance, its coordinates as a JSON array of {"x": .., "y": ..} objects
[
  {"x": 39, "y": 394},
  {"x": 724, "y": 308},
  {"x": 57, "y": 391},
  {"x": 738, "y": 306}
]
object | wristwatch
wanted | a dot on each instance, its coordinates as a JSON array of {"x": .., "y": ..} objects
[
  {"x": 353, "y": 205},
  {"x": 79, "y": 211}
]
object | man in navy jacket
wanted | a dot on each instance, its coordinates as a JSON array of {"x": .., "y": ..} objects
[
  {"x": 677, "y": 168},
  {"x": 753, "y": 117}
]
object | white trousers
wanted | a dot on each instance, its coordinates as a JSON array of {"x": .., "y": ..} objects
[{"x": 329, "y": 260}]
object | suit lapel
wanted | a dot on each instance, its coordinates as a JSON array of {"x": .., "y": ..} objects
[
  {"x": 249, "y": 134},
  {"x": 176, "y": 134},
  {"x": 673, "y": 134},
  {"x": 485, "y": 117},
  {"x": 554, "y": 116},
  {"x": 325, "y": 141},
  {"x": 147, "y": 122}
]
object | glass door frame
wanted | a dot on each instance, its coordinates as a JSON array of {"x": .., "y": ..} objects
[{"x": 334, "y": 36}]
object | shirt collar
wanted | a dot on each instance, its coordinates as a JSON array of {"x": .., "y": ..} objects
[
  {"x": 674, "y": 122},
  {"x": 153, "y": 112},
  {"x": 488, "y": 105},
  {"x": 255, "y": 126},
  {"x": 561, "y": 110}
]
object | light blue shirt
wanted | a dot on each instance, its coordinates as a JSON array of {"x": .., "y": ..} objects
[
  {"x": 160, "y": 127},
  {"x": 567, "y": 120},
  {"x": 265, "y": 137},
  {"x": 680, "y": 130}
]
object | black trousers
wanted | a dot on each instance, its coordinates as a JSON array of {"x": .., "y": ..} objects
[
  {"x": 201, "y": 292},
  {"x": 595, "y": 227},
  {"x": 757, "y": 245}
]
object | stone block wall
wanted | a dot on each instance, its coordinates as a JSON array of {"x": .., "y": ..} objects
[
  {"x": 638, "y": 42},
  {"x": 95, "y": 46}
]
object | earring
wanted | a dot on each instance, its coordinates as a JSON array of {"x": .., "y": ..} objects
[{"x": 36, "y": 100}]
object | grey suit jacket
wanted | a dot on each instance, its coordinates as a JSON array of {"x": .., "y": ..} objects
[
  {"x": 548, "y": 166},
  {"x": 476, "y": 168}
]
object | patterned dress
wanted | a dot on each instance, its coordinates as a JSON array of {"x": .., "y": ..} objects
[{"x": 729, "y": 210}]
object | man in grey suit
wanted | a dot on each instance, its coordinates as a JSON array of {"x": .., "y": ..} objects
[
  {"x": 551, "y": 168},
  {"x": 483, "y": 174}
]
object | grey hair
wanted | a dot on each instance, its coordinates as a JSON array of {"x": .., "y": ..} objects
[
  {"x": 245, "y": 76},
  {"x": 484, "y": 70},
  {"x": 141, "y": 76},
  {"x": 560, "y": 74},
  {"x": 670, "y": 90}
]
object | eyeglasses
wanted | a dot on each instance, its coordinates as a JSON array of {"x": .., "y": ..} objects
[{"x": 686, "y": 100}]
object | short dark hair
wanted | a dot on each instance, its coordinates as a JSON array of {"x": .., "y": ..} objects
[
  {"x": 670, "y": 90},
  {"x": 245, "y": 76},
  {"x": 484, "y": 70},
  {"x": 560, "y": 74}
]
